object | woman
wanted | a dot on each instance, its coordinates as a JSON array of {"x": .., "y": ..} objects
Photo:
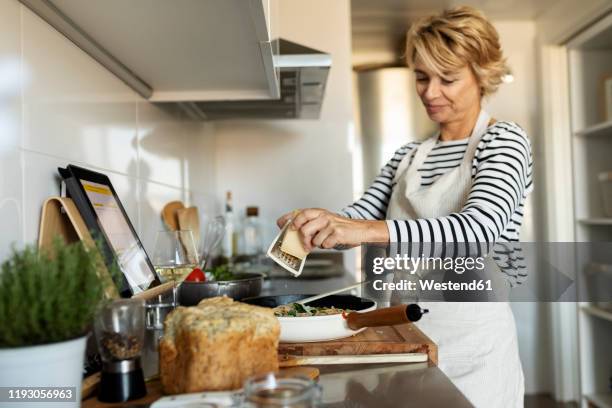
[{"x": 466, "y": 184}]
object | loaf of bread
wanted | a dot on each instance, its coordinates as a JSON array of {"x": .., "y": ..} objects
[{"x": 217, "y": 345}]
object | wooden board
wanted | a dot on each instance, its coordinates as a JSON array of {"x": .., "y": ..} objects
[
  {"x": 404, "y": 338},
  {"x": 61, "y": 218}
]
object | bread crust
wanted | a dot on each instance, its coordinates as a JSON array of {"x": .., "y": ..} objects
[{"x": 216, "y": 346}]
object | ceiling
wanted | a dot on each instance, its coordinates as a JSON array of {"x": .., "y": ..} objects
[{"x": 381, "y": 24}]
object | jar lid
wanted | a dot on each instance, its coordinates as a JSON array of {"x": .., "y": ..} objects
[
  {"x": 269, "y": 390},
  {"x": 252, "y": 211}
]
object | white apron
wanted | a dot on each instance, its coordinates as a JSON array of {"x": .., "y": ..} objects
[{"x": 477, "y": 345}]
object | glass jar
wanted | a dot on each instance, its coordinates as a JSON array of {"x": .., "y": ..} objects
[
  {"x": 288, "y": 392},
  {"x": 119, "y": 329}
]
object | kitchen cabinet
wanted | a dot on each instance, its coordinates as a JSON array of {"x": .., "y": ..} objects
[
  {"x": 180, "y": 50},
  {"x": 590, "y": 75}
]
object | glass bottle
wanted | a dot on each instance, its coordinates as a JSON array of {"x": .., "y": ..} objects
[
  {"x": 230, "y": 237},
  {"x": 252, "y": 233}
]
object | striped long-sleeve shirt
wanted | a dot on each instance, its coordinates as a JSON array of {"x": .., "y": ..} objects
[{"x": 493, "y": 213}]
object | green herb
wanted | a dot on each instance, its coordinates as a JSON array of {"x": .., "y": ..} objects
[
  {"x": 49, "y": 296},
  {"x": 299, "y": 308},
  {"x": 222, "y": 273}
]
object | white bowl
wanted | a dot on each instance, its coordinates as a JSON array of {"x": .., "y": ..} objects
[{"x": 316, "y": 328}]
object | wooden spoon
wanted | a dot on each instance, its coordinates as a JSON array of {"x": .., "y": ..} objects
[
  {"x": 169, "y": 214},
  {"x": 189, "y": 219}
]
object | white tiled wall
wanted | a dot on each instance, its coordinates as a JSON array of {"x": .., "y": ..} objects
[
  {"x": 281, "y": 165},
  {"x": 59, "y": 106}
]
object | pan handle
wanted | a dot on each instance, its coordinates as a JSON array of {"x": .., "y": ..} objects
[{"x": 388, "y": 316}]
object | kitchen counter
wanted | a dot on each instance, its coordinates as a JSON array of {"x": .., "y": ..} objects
[
  {"x": 385, "y": 386},
  {"x": 380, "y": 386},
  {"x": 371, "y": 385}
]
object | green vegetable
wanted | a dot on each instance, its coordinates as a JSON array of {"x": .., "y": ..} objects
[
  {"x": 222, "y": 273},
  {"x": 299, "y": 308},
  {"x": 49, "y": 296}
]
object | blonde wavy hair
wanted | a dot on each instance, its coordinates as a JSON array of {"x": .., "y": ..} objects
[{"x": 457, "y": 37}]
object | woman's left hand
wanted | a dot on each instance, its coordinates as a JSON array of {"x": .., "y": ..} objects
[{"x": 325, "y": 229}]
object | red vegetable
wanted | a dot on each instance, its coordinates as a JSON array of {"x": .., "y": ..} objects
[{"x": 196, "y": 276}]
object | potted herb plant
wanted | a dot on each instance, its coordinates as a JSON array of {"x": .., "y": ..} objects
[{"x": 47, "y": 304}]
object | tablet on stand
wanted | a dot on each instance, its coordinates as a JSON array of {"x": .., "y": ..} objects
[{"x": 102, "y": 211}]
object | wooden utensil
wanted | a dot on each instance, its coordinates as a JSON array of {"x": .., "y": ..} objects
[
  {"x": 326, "y": 294},
  {"x": 293, "y": 361},
  {"x": 388, "y": 316},
  {"x": 169, "y": 214},
  {"x": 189, "y": 219}
]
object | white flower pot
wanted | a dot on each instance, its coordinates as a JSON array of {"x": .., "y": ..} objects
[{"x": 49, "y": 365}]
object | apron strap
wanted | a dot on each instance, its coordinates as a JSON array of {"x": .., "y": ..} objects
[{"x": 482, "y": 124}]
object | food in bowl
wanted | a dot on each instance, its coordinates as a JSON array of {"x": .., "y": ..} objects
[{"x": 299, "y": 310}]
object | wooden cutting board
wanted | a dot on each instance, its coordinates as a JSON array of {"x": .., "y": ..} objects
[{"x": 404, "y": 338}]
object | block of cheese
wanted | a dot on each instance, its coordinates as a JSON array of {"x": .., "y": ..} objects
[
  {"x": 292, "y": 244},
  {"x": 217, "y": 345}
]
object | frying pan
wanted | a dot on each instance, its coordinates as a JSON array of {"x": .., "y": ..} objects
[{"x": 332, "y": 327}]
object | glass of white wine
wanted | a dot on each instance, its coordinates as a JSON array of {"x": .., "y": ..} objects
[{"x": 174, "y": 257}]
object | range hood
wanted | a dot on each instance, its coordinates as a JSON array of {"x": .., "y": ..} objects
[
  {"x": 302, "y": 75},
  {"x": 214, "y": 59}
]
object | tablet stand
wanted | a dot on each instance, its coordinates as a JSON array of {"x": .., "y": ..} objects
[{"x": 60, "y": 217}]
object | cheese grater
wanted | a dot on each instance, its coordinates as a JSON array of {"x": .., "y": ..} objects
[{"x": 290, "y": 262}]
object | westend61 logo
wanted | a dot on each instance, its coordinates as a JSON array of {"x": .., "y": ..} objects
[{"x": 412, "y": 265}]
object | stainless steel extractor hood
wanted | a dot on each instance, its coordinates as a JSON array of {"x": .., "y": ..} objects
[
  {"x": 214, "y": 59},
  {"x": 302, "y": 74}
]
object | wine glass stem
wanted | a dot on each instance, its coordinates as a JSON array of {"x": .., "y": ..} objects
[{"x": 174, "y": 293}]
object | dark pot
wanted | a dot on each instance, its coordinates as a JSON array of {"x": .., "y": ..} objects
[{"x": 245, "y": 285}]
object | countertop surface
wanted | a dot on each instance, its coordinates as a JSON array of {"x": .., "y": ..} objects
[{"x": 380, "y": 386}]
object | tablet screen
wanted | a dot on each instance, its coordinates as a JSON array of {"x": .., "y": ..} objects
[{"x": 131, "y": 256}]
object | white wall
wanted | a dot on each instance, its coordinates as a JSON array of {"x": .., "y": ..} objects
[
  {"x": 282, "y": 165},
  {"x": 518, "y": 101},
  {"x": 58, "y": 106}
]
